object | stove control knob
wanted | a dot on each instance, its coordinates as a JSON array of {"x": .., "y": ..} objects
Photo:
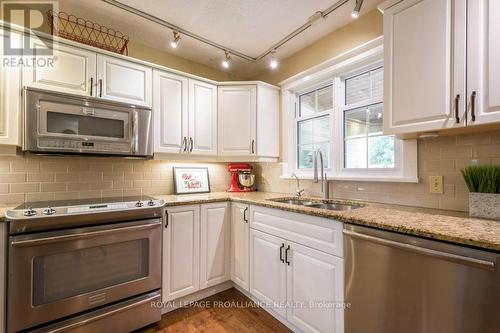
[
  {"x": 151, "y": 202},
  {"x": 30, "y": 212},
  {"x": 139, "y": 204},
  {"x": 49, "y": 211}
]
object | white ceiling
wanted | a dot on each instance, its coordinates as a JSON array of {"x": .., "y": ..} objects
[{"x": 248, "y": 26}]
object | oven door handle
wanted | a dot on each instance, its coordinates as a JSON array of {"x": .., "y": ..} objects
[{"x": 66, "y": 238}]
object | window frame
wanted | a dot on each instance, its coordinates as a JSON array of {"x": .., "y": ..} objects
[{"x": 336, "y": 71}]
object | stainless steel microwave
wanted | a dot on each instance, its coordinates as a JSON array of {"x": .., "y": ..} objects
[{"x": 65, "y": 123}]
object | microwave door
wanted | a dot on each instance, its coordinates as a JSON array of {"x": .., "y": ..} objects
[{"x": 84, "y": 123}]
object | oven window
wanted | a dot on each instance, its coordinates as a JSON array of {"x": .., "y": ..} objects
[
  {"x": 73, "y": 124},
  {"x": 67, "y": 274}
]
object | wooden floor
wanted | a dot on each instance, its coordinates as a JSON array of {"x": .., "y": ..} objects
[{"x": 218, "y": 318}]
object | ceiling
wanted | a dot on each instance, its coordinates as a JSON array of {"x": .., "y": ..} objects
[{"x": 248, "y": 26}]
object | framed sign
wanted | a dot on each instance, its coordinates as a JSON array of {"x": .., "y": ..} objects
[{"x": 191, "y": 180}]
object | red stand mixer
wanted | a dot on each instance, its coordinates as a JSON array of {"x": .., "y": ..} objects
[{"x": 242, "y": 178}]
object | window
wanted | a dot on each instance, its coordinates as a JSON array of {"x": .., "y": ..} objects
[
  {"x": 313, "y": 125},
  {"x": 339, "y": 110},
  {"x": 365, "y": 147}
]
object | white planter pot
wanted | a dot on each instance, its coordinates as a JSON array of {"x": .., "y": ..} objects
[{"x": 484, "y": 205}]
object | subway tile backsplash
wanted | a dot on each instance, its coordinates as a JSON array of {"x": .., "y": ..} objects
[
  {"x": 42, "y": 178},
  {"x": 443, "y": 156}
]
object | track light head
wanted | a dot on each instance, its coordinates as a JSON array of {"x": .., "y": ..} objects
[
  {"x": 175, "y": 42},
  {"x": 357, "y": 9},
  {"x": 227, "y": 60},
  {"x": 273, "y": 63}
]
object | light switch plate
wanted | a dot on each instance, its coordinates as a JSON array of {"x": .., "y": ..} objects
[{"x": 436, "y": 184}]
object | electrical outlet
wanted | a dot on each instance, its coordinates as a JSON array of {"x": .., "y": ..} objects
[{"x": 436, "y": 184}]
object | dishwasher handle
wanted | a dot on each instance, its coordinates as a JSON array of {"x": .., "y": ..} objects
[{"x": 463, "y": 260}]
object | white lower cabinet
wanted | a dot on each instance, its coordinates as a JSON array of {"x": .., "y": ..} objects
[
  {"x": 239, "y": 244},
  {"x": 315, "y": 285},
  {"x": 195, "y": 248},
  {"x": 181, "y": 252},
  {"x": 215, "y": 247},
  {"x": 302, "y": 285},
  {"x": 268, "y": 270}
]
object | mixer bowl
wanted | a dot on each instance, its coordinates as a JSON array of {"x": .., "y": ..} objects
[{"x": 246, "y": 179}]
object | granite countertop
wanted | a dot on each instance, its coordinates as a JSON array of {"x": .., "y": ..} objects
[
  {"x": 450, "y": 226},
  {"x": 444, "y": 225}
]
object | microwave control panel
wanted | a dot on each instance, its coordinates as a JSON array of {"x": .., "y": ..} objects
[{"x": 81, "y": 145}]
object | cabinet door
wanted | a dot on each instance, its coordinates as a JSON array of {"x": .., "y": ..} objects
[
  {"x": 202, "y": 118},
  {"x": 483, "y": 61},
  {"x": 315, "y": 280},
  {"x": 268, "y": 126},
  {"x": 73, "y": 71},
  {"x": 237, "y": 120},
  {"x": 214, "y": 251},
  {"x": 424, "y": 69},
  {"x": 123, "y": 81},
  {"x": 268, "y": 270},
  {"x": 239, "y": 245},
  {"x": 10, "y": 94},
  {"x": 170, "y": 112},
  {"x": 181, "y": 252}
]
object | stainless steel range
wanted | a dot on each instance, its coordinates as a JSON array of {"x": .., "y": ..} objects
[{"x": 84, "y": 266}]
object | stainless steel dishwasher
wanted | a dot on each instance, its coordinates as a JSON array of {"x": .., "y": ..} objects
[{"x": 396, "y": 283}]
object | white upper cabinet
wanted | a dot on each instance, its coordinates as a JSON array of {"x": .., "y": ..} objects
[
  {"x": 483, "y": 57},
  {"x": 10, "y": 95},
  {"x": 424, "y": 77},
  {"x": 248, "y": 120},
  {"x": 73, "y": 71},
  {"x": 170, "y": 112},
  {"x": 442, "y": 64},
  {"x": 123, "y": 81},
  {"x": 202, "y": 118},
  {"x": 214, "y": 244},
  {"x": 237, "y": 120},
  {"x": 185, "y": 115}
]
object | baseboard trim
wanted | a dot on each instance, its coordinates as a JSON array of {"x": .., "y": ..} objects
[{"x": 199, "y": 295}]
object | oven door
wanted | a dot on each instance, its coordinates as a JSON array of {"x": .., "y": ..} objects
[{"x": 56, "y": 274}]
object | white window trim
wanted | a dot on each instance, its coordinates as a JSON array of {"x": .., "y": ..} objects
[{"x": 365, "y": 56}]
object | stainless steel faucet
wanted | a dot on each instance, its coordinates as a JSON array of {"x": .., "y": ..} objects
[
  {"x": 299, "y": 190},
  {"x": 325, "y": 187}
]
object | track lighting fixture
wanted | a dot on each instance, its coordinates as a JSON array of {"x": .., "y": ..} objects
[
  {"x": 175, "y": 42},
  {"x": 227, "y": 60},
  {"x": 357, "y": 8},
  {"x": 273, "y": 63}
]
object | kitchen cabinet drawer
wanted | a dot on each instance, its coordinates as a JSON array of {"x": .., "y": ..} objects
[{"x": 319, "y": 233}]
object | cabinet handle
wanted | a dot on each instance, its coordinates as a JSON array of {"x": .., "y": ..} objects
[
  {"x": 184, "y": 144},
  {"x": 473, "y": 106},
  {"x": 245, "y": 215},
  {"x": 457, "y": 100},
  {"x": 281, "y": 252},
  {"x": 100, "y": 87},
  {"x": 253, "y": 146},
  {"x": 166, "y": 220},
  {"x": 91, "y": 86},
  {"x": 286, "y": 255},
  {"x": 191, "y": 143}
]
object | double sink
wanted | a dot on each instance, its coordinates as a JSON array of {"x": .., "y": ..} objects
[{"x": 328, "y": 205}]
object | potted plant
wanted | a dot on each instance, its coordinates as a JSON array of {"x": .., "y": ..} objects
[{"x": 483, "y": 182}]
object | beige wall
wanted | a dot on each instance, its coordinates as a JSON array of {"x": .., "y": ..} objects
[
  {"x": 366, "y": 28},
  {"x": 142, "y": 52},
  {"x": 42, "y": 178},
  {"x": 443, "y": 156}
]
